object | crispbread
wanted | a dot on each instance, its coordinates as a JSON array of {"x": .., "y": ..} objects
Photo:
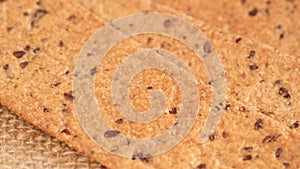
[
  {"x": 40, "y": 92},
  {"x": 106, "y": 11},
  {"x": 274, "y": 22}
]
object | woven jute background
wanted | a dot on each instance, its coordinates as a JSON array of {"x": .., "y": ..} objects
[{"x": 24, "y": 146}]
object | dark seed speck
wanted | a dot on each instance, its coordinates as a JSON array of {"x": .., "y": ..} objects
[
  {"x": 167, "y": 23},
  {"x": 253, "y": 67},
  {"x": 26, "y": 13},
  {"x": 207, "y": 47},
  {"x": 39, "y": 3},
  {"x": 248, "y": 149},
  {"x": 19, "y": 54},
  {"x": 284, "y": 92},
  {"x": 111, "y": 133},
  {"x": 251, "y": 54},
  {"x": 93, "y": 71},
  {"x": 286, "y": 165},
  {"x": 66, "y": 131},
  {"x": 71, "y": 18},
  {"x": 225, "y": 134},
  {"x": 9, "y": 28},
  {"x": 212, "y": 137},
  {"x": 5, "y": 67},
  {"x": 278, "y": 26},
  {"x": 45, "y": 110},
  {"x": 278, "y": 152},
  {"x": 173, "y": 110},
  {"x": 253, "y": 12},
  {"x": 36, "y": 50},
  {"x": 269, "y": 138},
  {"x": 140, "y": 156},
  {"x": 258, "y": 124},
  {"x": 23, "y": 65},
  {"x": 243, "y": 109},
  {"x": 201, "y": 166},
  {"x": 40, "y": 13},
  {"x": 119, "y": 121},
  {"x": 145, "y": 159},
  {"x": 267, "y": 11},
  {"x": 27, "y": 48},
  {"x": 227, "y": 107},
  {"x": 281, "y": 36},
  {"x": 247, "y": 157},
  {"x": 277, "y": 82},
  {"x": 238, "y": 40},
  {"x": 294, "y": 125},
  {"x": 61, "y": 44},
  {"x": 53, "y": 85},
  {"x": 149, "y": 40},
  {"x": 69, "y": 96}
]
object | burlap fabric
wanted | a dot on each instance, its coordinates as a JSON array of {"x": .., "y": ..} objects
[{"x": 24, "y": 146}]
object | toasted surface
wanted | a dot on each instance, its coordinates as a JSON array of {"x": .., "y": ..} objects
[
  {"x": 271, "y": 22},
  {"x": 274, "y": 22},
  {"x": 262, "y": 89}
]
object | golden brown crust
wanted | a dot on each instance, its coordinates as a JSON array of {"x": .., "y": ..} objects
[
  {"x": 274, "y": 22},
  {"x": 253, "y": 132}
]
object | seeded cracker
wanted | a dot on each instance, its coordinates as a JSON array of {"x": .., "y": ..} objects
[
  {"x": 45, "y": 84},
  {"x": 273, "y": 22}
]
